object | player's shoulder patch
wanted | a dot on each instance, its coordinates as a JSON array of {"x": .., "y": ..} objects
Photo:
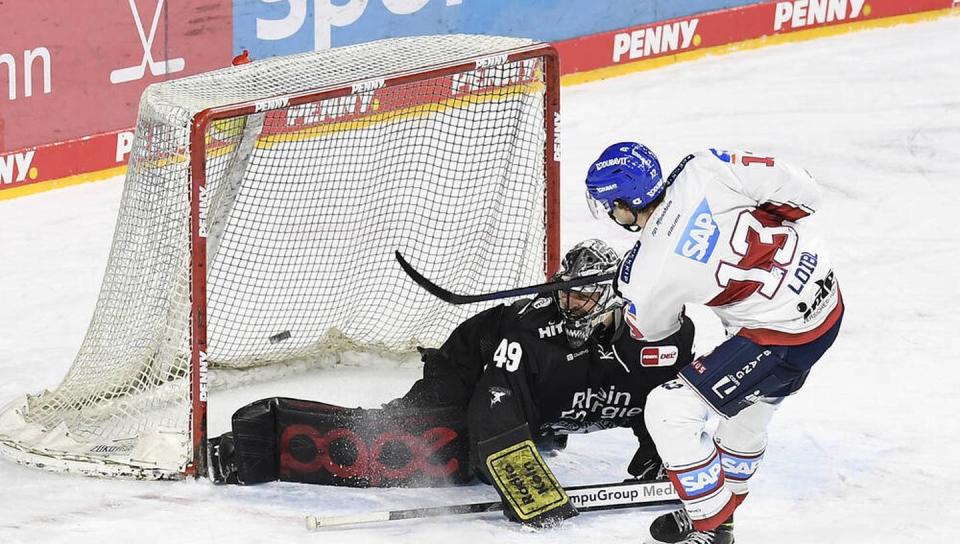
[
  {"x": 662, "y": 355},
  {"x": 721, "y": 154},
  {"x": 527, "y": 307},
  {"x": 541, "y": 302}
]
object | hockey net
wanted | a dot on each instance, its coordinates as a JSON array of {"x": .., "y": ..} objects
[{"x": 260, "y": 213}]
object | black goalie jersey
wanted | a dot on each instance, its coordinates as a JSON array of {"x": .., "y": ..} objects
[{"x": 514, "y": 365}]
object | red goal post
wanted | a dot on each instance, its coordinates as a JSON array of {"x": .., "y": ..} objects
[
  {"x": 261, "y": 210},
  {"x": 198, "y": 142}
]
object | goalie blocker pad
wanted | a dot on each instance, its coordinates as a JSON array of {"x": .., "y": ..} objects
[
  {"x": 530, "y": 491},
  {"x": 313, "y": 442}
]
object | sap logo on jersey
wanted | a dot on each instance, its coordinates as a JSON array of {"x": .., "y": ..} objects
[
  {"x": 801, "y": 13},
  {"x": 700, "y": 236},
  {"x": 659, "y": 356},
  {"x": 701, "y": 481}
]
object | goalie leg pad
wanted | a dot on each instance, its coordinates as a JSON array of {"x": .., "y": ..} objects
[
  {"x": 530, "y": 491},
  {"x": 254, "y": 452},
  {"x": 313, "y": 442}
]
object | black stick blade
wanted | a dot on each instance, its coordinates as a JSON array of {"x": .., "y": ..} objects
[
  {"x": 538, "y": 289},
  {"x": 422, "y": 281}
]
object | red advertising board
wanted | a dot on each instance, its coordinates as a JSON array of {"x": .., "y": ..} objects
[
  {"x": 71, "y": 72},
  {"x": 706, "y": 30},
  {"x": 79, "y": 67},
  {"x": 70, "y": 69}
]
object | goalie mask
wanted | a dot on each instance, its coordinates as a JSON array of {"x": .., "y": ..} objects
[{"x": 585, "y": 307}]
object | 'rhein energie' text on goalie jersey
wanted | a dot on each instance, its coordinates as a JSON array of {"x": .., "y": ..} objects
[{"x": 730, "y": 234}]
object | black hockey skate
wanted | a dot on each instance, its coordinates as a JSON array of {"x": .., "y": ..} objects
[
  {"x": 220, "y": 459},
  {"x": 677, "y": 528},
  {"x": 551, "y": 445}
]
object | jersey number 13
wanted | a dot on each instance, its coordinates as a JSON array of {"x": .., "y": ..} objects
[{"x": 765, "y": 250}]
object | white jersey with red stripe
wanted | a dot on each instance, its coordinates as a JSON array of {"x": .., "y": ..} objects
[{"x": 731, "y": 234}]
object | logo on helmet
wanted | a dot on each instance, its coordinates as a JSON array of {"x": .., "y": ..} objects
[
  {"x": 607, "y": 188},
  {"x": 640, "y": 157},
  {"x": 652, "y": 193},
  {"x": 616, "y": 161}
]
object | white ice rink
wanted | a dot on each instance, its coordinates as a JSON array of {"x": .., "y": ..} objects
[{"x": 865, "y": 452}]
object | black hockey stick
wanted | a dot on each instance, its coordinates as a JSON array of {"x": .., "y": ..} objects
[
  {"x": 587, "y": 498},
  {"x": 454, "y": 298}
]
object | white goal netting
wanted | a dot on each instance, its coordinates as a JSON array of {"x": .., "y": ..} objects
[{"x": 301, "y": 211}]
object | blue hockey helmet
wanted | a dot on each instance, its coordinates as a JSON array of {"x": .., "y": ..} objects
[{"x": 625, "y": 171}]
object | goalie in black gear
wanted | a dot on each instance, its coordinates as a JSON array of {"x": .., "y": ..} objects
[
  {"x": 526, "y": 374},
  {"x": 539, "y": 369}
]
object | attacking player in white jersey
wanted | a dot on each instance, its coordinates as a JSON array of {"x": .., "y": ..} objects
[{"x": 728, "y": 230}]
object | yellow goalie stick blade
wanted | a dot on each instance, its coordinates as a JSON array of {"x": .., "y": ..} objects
[{"x": 526, "y": 481}]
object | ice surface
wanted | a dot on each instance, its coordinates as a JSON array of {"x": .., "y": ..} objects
[{"x": 862, "y": 454}]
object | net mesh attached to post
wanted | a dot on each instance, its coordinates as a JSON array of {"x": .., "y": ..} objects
[{"x": 302, "y": 209}]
